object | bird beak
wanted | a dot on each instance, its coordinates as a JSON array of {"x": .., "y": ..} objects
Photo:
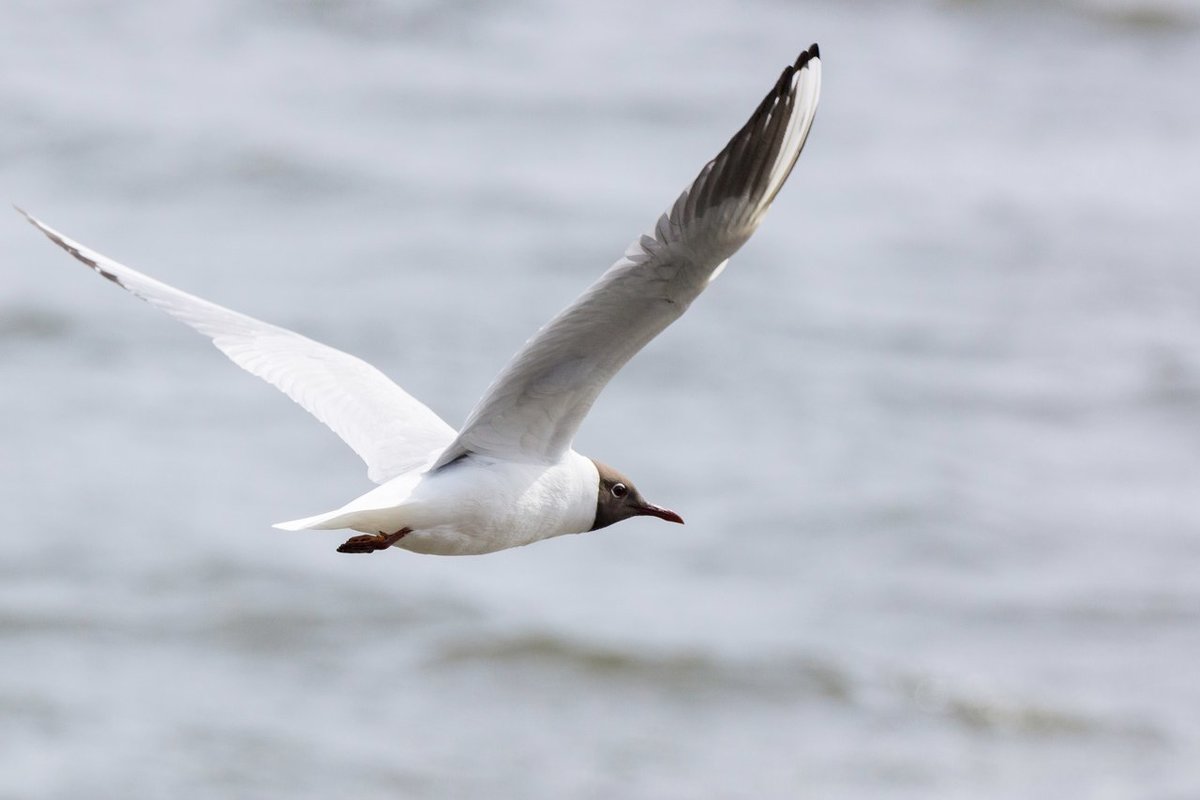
[{"x": 649, "y": 510}]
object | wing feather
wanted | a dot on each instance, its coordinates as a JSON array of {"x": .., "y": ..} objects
[
  {"x": 391, "y": 430},
  {"x": 534, "y": 407}
]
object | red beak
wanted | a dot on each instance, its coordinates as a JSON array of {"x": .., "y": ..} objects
[{"x": 657, "y": 511}]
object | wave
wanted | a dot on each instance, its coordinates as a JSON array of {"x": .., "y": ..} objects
[
  {"x": 785, "y": 677},
  {"x": 32, "y": 322}
]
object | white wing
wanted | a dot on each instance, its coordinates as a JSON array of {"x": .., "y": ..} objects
[
  {"x": 533, "y": 408},
  {"x": 391, "y": 430}
]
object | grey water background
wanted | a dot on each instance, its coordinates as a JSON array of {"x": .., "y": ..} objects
[{"x": 936, "y": 431}]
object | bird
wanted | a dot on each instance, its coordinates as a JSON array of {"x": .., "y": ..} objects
[{"x": 509, "y": 476}]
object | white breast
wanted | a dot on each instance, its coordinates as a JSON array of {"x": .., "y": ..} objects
[{"x": 480, "y": 505}]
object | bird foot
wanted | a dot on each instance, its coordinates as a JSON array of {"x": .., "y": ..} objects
[{"x": 370, "y": 542}]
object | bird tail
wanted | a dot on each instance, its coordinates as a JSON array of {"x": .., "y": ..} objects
[
  {"x": 387, "y": 508},
  {"x": 356, "y": 515},
  {"x": 330, "y": 520}
]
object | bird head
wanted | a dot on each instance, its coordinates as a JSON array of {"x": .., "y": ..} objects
[{"x": 617, "y": 499}]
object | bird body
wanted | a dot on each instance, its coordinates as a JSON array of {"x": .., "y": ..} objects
[
  {"x": 509, "y": 476},
  {"x": 474, "y": 506}
]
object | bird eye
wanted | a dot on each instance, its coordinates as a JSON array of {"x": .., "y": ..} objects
[{"x": 619, "y": 490}]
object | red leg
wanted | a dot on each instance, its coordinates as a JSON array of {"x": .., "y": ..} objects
[{"x": 370, "y": 542}]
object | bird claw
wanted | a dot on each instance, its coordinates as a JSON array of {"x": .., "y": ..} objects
[
  {"x": 367, "y": 543},
  {"x": 370, "y": 542}
]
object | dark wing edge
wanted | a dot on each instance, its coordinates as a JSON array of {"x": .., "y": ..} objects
[{"x": 743, "y": 180}]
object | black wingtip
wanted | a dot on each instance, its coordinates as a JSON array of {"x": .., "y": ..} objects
[
  {"x": 58, "y": 240},
  {"x": 813, "y": 51}
]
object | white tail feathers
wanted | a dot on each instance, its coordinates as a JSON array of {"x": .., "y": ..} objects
[
  {"x": 330, "y": 520},
  {"x": 366, "y": 520}
]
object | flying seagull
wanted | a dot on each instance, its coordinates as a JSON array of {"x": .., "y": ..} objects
[{"x": 509, "y": 476}]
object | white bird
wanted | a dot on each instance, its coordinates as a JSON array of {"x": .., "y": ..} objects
[{"x": 509, "y": 476}]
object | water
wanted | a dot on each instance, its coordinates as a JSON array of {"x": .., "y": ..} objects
[{"x": 934, "y": 431}]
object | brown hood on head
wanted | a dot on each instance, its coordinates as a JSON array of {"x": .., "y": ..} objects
[{"x": 617, "y": 499}]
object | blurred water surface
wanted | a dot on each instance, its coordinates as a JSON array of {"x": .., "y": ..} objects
[{"x": 935, "y": 431}]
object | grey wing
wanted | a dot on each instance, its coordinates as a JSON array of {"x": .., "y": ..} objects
[
  {"x": 391, "y": 430},
  {"x": 534, "y": 407}
]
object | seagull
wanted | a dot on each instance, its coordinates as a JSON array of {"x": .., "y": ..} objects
[{"x": 509, "y": 477}]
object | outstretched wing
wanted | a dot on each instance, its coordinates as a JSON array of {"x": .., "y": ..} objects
[
  {"x": 533, "y": 408},
  {"x": 391, "y": 430}
]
